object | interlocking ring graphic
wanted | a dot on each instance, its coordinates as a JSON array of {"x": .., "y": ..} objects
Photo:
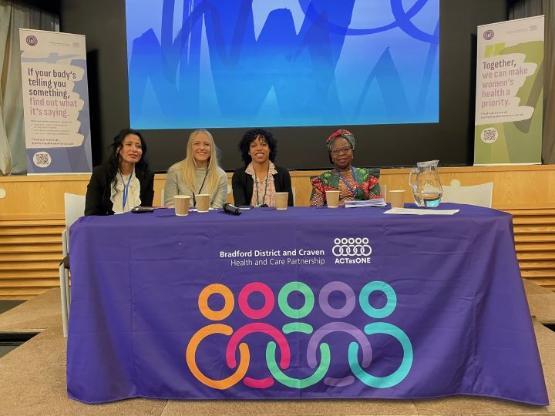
[
  {"x": 351, "y": 247},
  {"x": 265, "y": 382},
  {"x": 190, "y": 357},
  {"x": 237, "y": 353},
  {"x": 352, "y": 330}
]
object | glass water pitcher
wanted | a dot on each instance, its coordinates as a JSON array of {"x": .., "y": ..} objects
[{"x": 425, "y": 184}]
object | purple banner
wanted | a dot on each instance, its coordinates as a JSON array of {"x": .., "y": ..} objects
[{"x": 305, "y": 303}]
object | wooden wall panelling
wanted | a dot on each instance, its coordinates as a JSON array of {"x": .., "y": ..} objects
[
  {"x": 30, "y": 251},
  {"x": 38, "y": 195},
  {"x": 535, "y": 245}
]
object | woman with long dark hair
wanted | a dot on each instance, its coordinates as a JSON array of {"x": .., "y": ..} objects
[{"x": 124, "y": 181}]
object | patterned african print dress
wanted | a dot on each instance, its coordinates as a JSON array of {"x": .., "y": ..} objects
[{"x": 361, "y": 184}]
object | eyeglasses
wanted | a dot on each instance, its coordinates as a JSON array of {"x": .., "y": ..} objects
[{"x": 343, "y": 150}]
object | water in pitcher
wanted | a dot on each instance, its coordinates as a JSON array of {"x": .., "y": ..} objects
[
  {"x": 425, "y": 184},
  {"x": 427, "y": 199}
]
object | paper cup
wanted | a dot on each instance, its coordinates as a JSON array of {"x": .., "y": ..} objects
[
  {"x": 332, "y": 199},
  {"x": 397, "y": 198},
  {"x": 203, "y": 202},
  {"x": 181, "y": 204},
  {"x": 281, "y": 200}
]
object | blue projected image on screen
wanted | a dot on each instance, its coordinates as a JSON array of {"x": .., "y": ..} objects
[{"x": 273, "y": 63}]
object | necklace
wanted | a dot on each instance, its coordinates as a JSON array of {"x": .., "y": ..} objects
[{"x": 258, "y": 204}]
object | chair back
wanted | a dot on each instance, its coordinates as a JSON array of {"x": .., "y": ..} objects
[
  {"x": 480, "y": 195},
  {"x": 74, "y": 207}
]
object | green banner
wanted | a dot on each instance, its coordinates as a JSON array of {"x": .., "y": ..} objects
[{"x": 509, "y": 92}]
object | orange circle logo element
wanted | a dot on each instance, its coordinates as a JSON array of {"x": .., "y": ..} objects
[{"x": 207, "y": 311}]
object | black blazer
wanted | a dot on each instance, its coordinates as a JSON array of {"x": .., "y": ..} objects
[
  {"x": 98, "y": 191},
  {"x": 243, "y": 184}
]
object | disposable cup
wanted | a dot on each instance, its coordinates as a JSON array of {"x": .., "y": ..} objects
[
  {"x": 397, "y": 198},
  {"x": 203, "y": 202},
  {"x": 332, "y": 199},
  {"x": 281, "y": 200},
  {"x": 181, "y": 204}
]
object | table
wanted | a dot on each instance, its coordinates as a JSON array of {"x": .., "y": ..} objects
[{"x": 310, "y": 303}]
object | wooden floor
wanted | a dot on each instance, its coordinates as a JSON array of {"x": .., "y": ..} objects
[{"x": 33, "y": 381}]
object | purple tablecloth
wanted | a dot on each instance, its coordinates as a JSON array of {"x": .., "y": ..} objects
[{"x": 304, "y": 303}]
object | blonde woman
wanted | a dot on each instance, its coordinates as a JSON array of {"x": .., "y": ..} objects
[{"x": 198, "y": 173}]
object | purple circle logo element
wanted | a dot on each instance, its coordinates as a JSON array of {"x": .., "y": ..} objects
[
  {"x": 31, "y": 40},
  {"x": 488, "y": 34}
]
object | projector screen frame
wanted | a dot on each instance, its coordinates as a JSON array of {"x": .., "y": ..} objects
[{"x": 299, "y": 148}]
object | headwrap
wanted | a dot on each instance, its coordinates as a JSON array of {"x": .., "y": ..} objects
[{"x": 346, "y": 134}]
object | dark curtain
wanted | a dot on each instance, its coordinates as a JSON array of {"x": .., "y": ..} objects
[{"x": 527, "y": 8}]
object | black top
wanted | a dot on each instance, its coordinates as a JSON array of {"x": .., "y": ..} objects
[
  {"x": 98, "y": 191},
  {"x": 243, "y": 185}
]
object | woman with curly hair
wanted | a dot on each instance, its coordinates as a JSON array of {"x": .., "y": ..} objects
[
  {"x": 124, "y": 181},
  {"x": 258, "y": 181},
  {"x": 352, "y": 183}
]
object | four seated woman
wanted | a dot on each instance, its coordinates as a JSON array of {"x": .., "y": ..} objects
[
  {"x": 258, "y": 181},
  {"x": 125, "y": 180},
  {"x": 352, "y": 183},
  {"x": 198, "y": 173}
]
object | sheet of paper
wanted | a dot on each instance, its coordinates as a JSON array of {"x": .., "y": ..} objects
[
  {"x": 376, "y": 202},
  {"x": 421, "y": 211}
]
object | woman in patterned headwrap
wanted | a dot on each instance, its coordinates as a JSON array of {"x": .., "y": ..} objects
[{"x": 352, "y": 183}]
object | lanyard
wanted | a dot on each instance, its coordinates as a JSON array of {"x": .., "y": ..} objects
[
  {"x": 125, "y": 189},
  {"x": 265, "y": 187},
  {"x": 347, "y": 184},
  {"x": 200, "y": 189}
]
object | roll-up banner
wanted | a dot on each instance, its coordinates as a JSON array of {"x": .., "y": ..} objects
[
  {"x": 55, "y": 102},
  {"x": 509, "y": 92}
]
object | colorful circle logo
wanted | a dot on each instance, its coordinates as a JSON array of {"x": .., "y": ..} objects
[{"x": 318, "y": 353}]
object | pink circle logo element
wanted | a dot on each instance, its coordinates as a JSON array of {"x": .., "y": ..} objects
[{"x": 266, "y": 308}]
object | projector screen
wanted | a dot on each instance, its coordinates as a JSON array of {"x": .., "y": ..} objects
[
  {"x": 395, "y": 81},
  {"x": 282, "y": 63}
]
